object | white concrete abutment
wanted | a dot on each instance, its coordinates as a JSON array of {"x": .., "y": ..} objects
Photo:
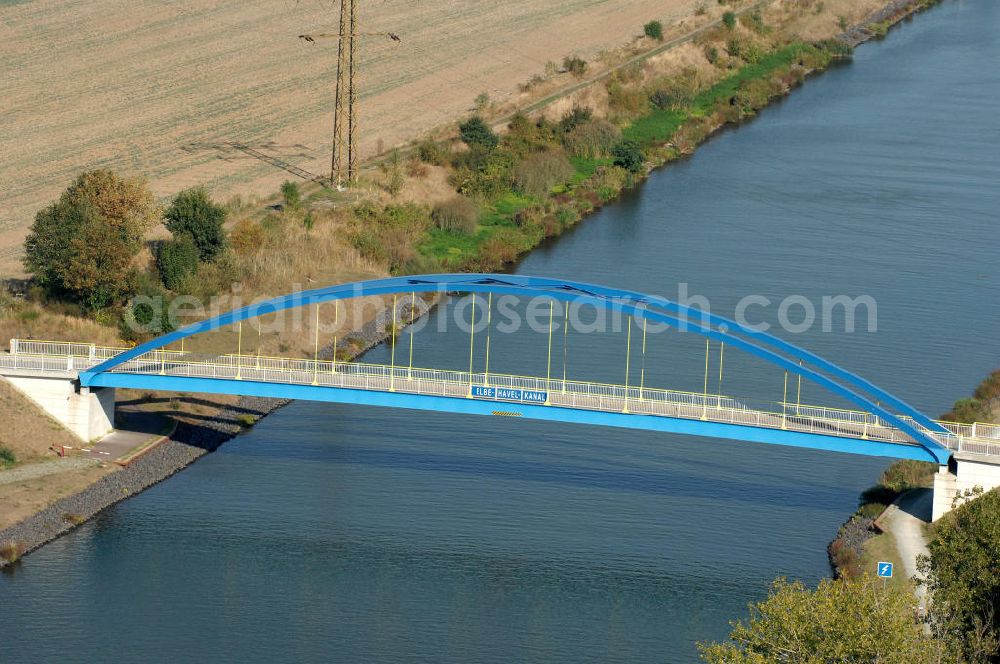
[
  {"x": 964, "y": 472},
  {"x": 88, "y": 413}
]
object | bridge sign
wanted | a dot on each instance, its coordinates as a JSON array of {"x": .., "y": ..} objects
[
  {"x": 884, "y": 570},
  {"x": 509, "y": 394}
]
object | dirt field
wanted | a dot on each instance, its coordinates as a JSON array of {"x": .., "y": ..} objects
[{"x": 149, "y": 86}]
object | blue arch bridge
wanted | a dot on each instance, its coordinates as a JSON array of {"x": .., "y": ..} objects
[{"x": 877, "y": 424}]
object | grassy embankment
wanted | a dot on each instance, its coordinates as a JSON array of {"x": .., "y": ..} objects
[{"x": 661, "y": 118}]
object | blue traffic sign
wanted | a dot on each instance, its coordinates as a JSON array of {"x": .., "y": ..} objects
[{"x": 885, "y": 570}]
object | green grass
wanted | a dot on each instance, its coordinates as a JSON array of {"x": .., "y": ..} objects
[
  {"x": 511, "y": 203},
  {"x": 883, "y": 547},
  {"x": 660, "y": 125},
  {"x": 727, "y": 87},
  {"x": 586, "y": 167},
  {"x": 657, "y": 127},
  {"x": 453, "y": 249}
]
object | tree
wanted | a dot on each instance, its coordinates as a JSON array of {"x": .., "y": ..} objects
[
  {"x": 475, "y": 132},
  {"x": 854, "y": 620},
  {"x": 729, "y": 20},
  {"x": 177, "y": 260},
  {"x": 653, "y": 30},
  {"x": 101, "y": 272},
  {"x": 629, "y": 156},
  {"x": 81, "y": 247},
  {"x": 575, "y": 65},
  {"x": 193, "y": 213},
  {"x": 291, "y": 194},
  {"x": 962, "y": 576}
]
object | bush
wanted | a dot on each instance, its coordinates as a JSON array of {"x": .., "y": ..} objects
[
  {"x": 458, "y": 215},
  {"x": 575, "y": 65},
  {"x": 626, "y": 102},
  {"x": 7, "y": 457},
  {"x": 907, "y": 474},
  {"x": 475, "y": 132},
  {"x": 746, "y": 48},
  {"x": 81, "y": 248},
  {"x": 653, "y": 30},
  {"x": 148, "y": 313},
  {"x": 575, "y": 117},
  {"x": 836, "y": 48},
  {"x": 755, "y": 21},
  {"x": 729, "y": 20},
  {"x": 967, "y": 410},
  {"x": 503, "y": 247},
  {"x": 416, "y": 168},
  {"x": 526, "y": 136},
  {"x": 629, "y": 156},
  {"x": 752, "y": 95},
  {"x": 247, "y": 237},
  {"x": 596, "y": 138},
  {"x": 388, "y": 234},
  {"x": 537, "y": 173},
  {"x": 392, "y": 169},
  {"x": 491, "y": 177},
  {"x": 842, "y": 557},
  {"x": 176, "y": 261},
  {"x": 899, "y": 477},
  {"x": 608, "y": 181},
  {"x": 432, "y": 152},
  {"x": 712, "y": 55},
  {"x": 193, "y": 213},
  {"x": 291, "y": 195},
  {"x": 12, "y": 550}
]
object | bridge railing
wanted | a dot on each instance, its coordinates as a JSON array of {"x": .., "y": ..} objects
[
  {"x": 574, "y": 394},
  {"x": 64, "y": 356},
  {"x": 62, "y": 348},
  {"x": 45, "y": 363}
]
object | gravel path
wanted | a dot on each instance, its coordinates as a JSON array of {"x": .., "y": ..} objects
[
  {"x": 42, "y": 468},
  {"x": 905, "y": 519}
]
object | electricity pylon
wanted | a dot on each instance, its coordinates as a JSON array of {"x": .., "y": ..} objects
[{"x": 345, "y": 157}]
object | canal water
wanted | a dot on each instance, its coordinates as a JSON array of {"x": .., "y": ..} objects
[{"x": 332, "y": 533}]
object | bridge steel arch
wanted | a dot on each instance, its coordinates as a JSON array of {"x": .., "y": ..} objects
[{"x": 768, "y": 347}]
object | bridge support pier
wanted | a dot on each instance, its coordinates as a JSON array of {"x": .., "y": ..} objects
[
  {"x": 88, "y": 413},
  {"x": 964, "y": 472}
]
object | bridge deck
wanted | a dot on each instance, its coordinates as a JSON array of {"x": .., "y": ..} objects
[{"x": 47, "y": 358}]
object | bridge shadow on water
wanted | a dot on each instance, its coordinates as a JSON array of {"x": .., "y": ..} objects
[{"x": 660, "y": 481}]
